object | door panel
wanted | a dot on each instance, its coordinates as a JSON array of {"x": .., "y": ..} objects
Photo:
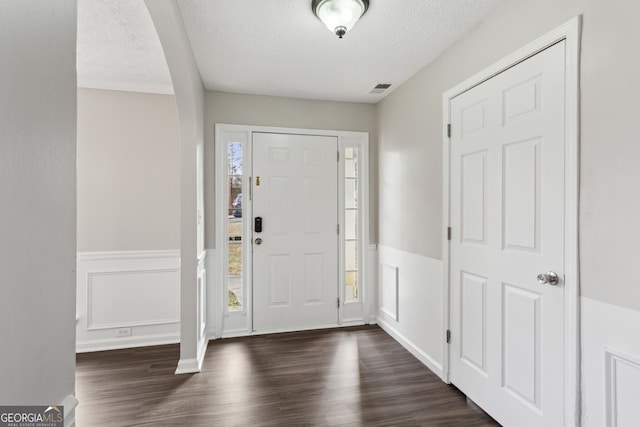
[
  {"x": 521, "y": 323},
  {"x": 295, "y": 267},
  {"x": 474, "y": 193},
  {"x": 279, "y": 283},
  {"x": 473, "y": 333},
  {"x": 507, "y": 213}
]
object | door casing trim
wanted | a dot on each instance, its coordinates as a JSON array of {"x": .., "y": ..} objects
[
  {"x": 569, "y": 32},
  {"x": 345, "y": 138}
]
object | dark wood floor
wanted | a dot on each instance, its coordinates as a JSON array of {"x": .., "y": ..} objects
[{"x": 351, "y": 377}]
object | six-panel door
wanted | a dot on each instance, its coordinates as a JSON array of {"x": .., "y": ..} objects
[
  {"x": 507, "y": 213},
  {"x": 295, "y": 266}
]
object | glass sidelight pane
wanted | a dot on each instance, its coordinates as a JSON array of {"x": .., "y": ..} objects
[
  {"x": 351, "y": 224},
  {"x": 235, "y": 247},
  {"x": 351, "y": 162},
  {"x": 351, "y": 255},
  {"x": 351, "y": 233},
  {"x": 351, "y": 286},
  {"x": 351, "y": 193},
  {"x": 235, "y": 196},
  {"x": 235, "y": 282}
]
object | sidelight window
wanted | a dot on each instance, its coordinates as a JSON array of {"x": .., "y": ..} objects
[
  {"x": 235, "y": 218},
  {"x": 351, "y": 222}
]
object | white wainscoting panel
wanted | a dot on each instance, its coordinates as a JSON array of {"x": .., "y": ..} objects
[
  {"x": 610, "y": 364},
  {"x": 371, "y": 286},
  {"x": 203, "y": 340},
  {"x": 213, "y": 296},
  {"x": 127, "y": 299},
  {"x": 622, "y": 377},
  {"x": 418, "y": 326},
  {"x": 194, "y": 364},
  {"x": 202, "y": 303},
  {"x": 132, "y": 298},
  {"x": 389, "y": 290}
]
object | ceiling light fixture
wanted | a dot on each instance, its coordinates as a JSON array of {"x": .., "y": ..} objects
[{"x": 339, "y": 15}]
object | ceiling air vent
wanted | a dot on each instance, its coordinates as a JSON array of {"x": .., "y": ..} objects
[{"x": 380, "y": 87}]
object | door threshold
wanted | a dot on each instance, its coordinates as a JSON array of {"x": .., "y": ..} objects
[{"x": 245, "y": 333}]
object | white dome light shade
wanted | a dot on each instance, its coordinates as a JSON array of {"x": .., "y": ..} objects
[{"x": 339, "y": 15}]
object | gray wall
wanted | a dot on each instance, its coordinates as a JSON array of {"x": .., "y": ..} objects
[
  {"x": 37, "y": 201},
  {"x": 410, "y": 123},
  {"x": 240, "y": 109},
  {"x": 129, "y": 159},
  {"x": 128, "y": 171}
]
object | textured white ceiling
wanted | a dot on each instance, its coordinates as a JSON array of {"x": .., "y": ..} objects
[
  {"x": 279, "y": 47},
  {"x": 119, "y": 49},
  {"x": 272, "y": 47}
]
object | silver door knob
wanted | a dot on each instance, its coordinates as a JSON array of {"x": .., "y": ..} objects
[
  {"x": 258, "y": 241},
  {"x": 549, "y": 277}
]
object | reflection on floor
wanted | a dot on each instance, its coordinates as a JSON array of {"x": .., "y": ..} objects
[{"x": 349, "y": 376}]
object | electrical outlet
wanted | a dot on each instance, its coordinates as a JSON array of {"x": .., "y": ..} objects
[{"x": 123, "y": 332}]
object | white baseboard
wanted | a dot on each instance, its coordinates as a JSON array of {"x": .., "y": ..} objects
[
  {"x": 188, "y": 366},
  {"x": 427, "y": 360},
  {"x": 127, "y": 299},
  {"x": 244, "y": 333},
  {"x": 70, "y": 403},
  {"x": 193, "y": 365},
  {"x": 127, "y": 342},
  {"x": 354, "y": 322},
  {"x": 235, "y": 333},
  {"x": 610, "y": 364}
]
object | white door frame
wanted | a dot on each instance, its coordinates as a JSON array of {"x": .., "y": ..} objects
[
  {"x": 348, "y": 314},
  {"x": 570, "y": 32}
]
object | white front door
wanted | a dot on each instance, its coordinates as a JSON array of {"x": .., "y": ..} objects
[
  {"x": 507, "y": 219},
  {"x": 295, "y": 256}
]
